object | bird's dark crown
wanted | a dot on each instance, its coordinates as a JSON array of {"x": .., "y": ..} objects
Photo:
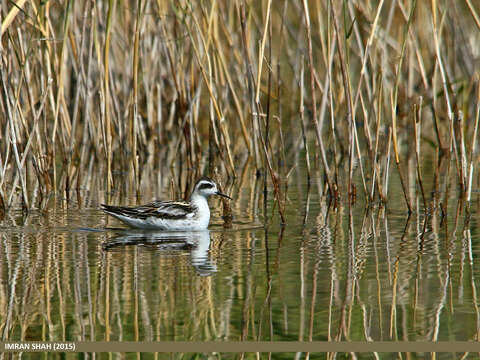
[{"x": 204, "y": 183}]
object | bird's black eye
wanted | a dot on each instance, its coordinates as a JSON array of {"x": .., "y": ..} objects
[{"x": 205, "y": 186}]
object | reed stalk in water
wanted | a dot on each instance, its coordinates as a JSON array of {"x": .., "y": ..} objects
[{"x": 159, "y": 92}]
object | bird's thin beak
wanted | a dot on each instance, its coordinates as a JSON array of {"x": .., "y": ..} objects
[{"x": 228, "y": 197}]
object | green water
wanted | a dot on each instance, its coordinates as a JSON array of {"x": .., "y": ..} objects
[{"x": 330, "y": 273}]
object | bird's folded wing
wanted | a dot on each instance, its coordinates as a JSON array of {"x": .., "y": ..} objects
[{"x": 167, "y": 209}]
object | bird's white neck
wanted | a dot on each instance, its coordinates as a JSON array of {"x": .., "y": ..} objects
[{"x": 202, "y": 205}]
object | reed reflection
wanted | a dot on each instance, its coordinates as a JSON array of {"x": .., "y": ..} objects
[{"x": 195, "y": 242}]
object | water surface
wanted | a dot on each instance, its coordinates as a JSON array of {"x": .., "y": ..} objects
[{"x": 330, "y": 273}]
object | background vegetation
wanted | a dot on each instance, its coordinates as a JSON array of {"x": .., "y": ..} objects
[
  {"x": 121, "y": 95},
  {"x": 369, "y": 101}
]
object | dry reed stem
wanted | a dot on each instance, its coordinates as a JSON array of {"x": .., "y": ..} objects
[
  {"x": 366, "y": 52},
  {"x": 387, "y": 165},
  {"x": 106, "y": 94},
  {"x": 350, "y": 111},
  {"x": 331, "y": 51},
  {"x": 16, "y": 8},
  {"x": 440, "y": 64},
  {"x": 29, "y": 142},
  {"x": 250, "y": 82},
  {"x": 359, "y": 159},
  {"x": 375, "y": 164},
  {"x": 394, "y": 104},
  {"x": 210, "y": 90},
  {"x": 168, "y": 65},
  {"x": 235, "y": 98},
  {"x": 314, "y": 101},
  {"x": 417, "y": 126},
  {"x": 473, "y": 146},
  {"x": 474, "y": 13},
  {"x": 12, "y": 133},
  {"x": 59, "y": 100},
  {"x": 302, "y": 121},
  {"x": 463, "y": 154},
  {"x": 262, "y": 51},
  {"x": 134, "y": 113}
]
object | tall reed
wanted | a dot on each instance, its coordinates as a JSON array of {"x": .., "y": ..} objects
[{"x": 165, "y": 92}]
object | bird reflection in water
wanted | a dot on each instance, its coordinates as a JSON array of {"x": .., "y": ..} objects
[{"x": 195, "y": 242}]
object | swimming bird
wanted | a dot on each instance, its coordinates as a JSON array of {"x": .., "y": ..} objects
[{"x": 171, "y": 215}]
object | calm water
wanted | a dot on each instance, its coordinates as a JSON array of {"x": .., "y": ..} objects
[{"x": 329, "y": 274}]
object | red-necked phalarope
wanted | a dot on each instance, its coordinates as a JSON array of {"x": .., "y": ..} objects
[{"x": 171, "y": 215}]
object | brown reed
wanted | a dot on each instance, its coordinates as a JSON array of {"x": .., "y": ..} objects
[{"x": 165, "y": 92}]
